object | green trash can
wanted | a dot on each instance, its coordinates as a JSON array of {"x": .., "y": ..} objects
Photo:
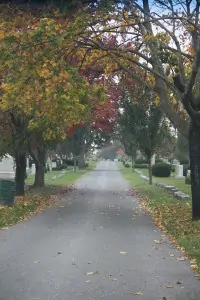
[{"x": 7, "y": 191}]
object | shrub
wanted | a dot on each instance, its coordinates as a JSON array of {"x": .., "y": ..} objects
[
  {"x": 126, "y": 165},
  {"x": 185, "y": 169},
  {"x": 60, "y": 167},
  {"x": 184, "y": 161},
  {"x": 141, "y": 161},
  {"x": 158, "y": 160},
  {"x": 161, "y": 170},
  {"x": 188, "y": 180},
  {"x": 86, "y": 164},
  {"x": 173, "y": 168},
  {"x": 69, "y": 162},
  {"x": 140, "y": 166}
]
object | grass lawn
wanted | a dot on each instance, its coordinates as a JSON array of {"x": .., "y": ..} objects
[
  {"x": 169, "y": 214},
  {"x": 37, "y": 200},
  {"x": 52, "y": 178},
  {"x": 177, "y": 182}
]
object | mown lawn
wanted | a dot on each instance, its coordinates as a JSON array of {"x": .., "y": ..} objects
[
  {"x": 37, "y": 200},
  {"x": 169, "y": 214},
  {"x": 59, "y": 178},
  {"x": 177, "y": 182}
]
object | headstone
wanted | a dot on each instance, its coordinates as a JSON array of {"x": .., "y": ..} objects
[
  {"x": 188, "y": 173},
  {"x": 153, "y": 160},
  {"x": 49, "y": 164},
  {"x": 54, "y": 164},
  {"x": 7, "y": 167},
  {"x": 33, "y": 170},
  {"x": 175, "y": 162},
  {"x": 179, "y": 171},
  {"x": 28, "y": 170}
]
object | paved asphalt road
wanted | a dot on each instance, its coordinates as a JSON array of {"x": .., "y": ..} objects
[{"x": 72, "y": 251}]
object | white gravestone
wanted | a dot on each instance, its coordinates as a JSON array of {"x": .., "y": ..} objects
[
  {"x": 7, "y": 167},
  {"x": 54, "y": 165},
  {"x": 175, "y": 162},
  {"x": 33, "y": 170},
  {"x": 179, "y": 171},
  {"x": 49, "y": 164},
  {"x": 188, "y": 173},
  {"x": 153, "y": 160},
  {"x": 28, "y": 170}
]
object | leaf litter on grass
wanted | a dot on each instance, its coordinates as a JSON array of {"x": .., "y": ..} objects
[
  {"x": 29, "y": 205},
  {"x": 175, "y": 220}
]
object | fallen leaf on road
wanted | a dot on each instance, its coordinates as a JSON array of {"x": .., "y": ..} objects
[
  {"x": 164, "y": 298},
  {"x": 193, "y": 261},
  {"x": 178, "y": 282},
  {"x": 170, "y": 286},
  {"x": 59, "y": 253},
  {"x": 123, "y": 252},
  {"x": 92, "y": 273},
  {"x": 194, "y": 267},
  {"x": 181, "y": 258},
  {"x": 139, "y": 294},
  {"x": 157, "y": 242}
]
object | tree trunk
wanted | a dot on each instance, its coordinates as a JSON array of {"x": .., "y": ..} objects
[
  {"x": 20, "y": 173},
  {"x": 81, "y": 163},
  {"x": 150, "y": 170},
  {"x": 75, "y": 163},
  {"x": 194, "y": 149},
  {"x": 39, "y": 161},
  {"x": 132, "y": 161},
  {"x": 39, "y": 175}
]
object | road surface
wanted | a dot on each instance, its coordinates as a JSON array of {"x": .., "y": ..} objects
[{"x": 95, "y": 245}]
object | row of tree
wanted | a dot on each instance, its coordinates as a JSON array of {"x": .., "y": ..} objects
[{"x": 57, "y": 59}]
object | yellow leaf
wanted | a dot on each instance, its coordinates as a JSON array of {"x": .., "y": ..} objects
[
  {"x": 92, "y": 273},
  {"x": 157, "y": 242},
  {"x": 194, "y": 267},
  {"x": 139, "y": 294},
  {"x": 181, "y": 258}
]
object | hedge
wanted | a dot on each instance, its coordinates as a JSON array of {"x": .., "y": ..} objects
[
  {"x": 140, "y": 166},
  {"x": 141, "y": 161},
  {"x": 60, "y": 167},
  {"x": 126, "y": 165},
  {"x": 161, "y": 170},
  {"x": 185, "y": 169}
]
